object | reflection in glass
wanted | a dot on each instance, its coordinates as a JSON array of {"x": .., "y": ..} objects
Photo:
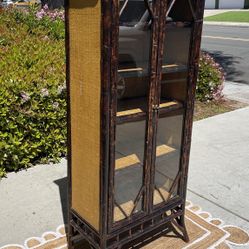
[
  {"x": 167, "y": 157},
  {"x": 132, "y": 95},
  {"x": 174, "y": 89},
  {"x": 130, "y": 139},
  {"x": 132, "y": 92},
  {"x": 176, "y": 48},
  {"x": 134, "y": 49},
  {"x": 177, "y": 37}
]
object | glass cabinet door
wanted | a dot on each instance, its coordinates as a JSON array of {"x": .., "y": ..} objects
[
  {"x": 173, "y": 91},
  {"x": 132, "y": 106}
]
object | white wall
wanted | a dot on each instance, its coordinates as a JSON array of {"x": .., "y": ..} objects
[
  {"x": 210, "y": 4},
  {"x": 231, "y": 4}
]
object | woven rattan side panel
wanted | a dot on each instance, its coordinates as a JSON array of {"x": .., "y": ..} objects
[{"x": 85, "y": 87}]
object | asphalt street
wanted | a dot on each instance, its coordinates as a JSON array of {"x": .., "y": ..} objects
[{"x": 230, "y": 46}]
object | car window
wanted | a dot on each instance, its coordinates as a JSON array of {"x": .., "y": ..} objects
[{"x": 132, "y": 12}]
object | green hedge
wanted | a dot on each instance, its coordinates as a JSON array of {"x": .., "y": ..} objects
[{"x": 32, "y": 91}]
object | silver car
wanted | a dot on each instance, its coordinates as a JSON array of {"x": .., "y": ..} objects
[{"x": 135, "y": 43}]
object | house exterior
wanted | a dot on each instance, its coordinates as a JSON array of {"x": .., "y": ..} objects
[
  {"x": 227, "y": 4},
  {"x": 210, "y": 4}
]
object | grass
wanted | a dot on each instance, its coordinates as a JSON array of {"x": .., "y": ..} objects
[
  {"x": 208, "y": 109},
  {"x": 231, "y": 16}
]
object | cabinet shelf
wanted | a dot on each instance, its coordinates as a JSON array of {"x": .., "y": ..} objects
[
  {"x": 174, "y": 68},
  {"x": 130, "y": 167},
  {"x": 132, "y": 110},
  {"x": 130, "y": 72},
  {"x": 133, "y": 159}
]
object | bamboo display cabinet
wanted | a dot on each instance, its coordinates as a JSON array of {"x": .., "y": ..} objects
[{"x": 131, "y": 75}]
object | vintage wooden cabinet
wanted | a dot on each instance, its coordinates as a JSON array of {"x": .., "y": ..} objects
[{"x": 131, "y": 75}]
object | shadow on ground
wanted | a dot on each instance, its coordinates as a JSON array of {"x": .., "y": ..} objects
[
  {"x": 169, "y": 231},
  {"x": 62, "y": 184},
  {"x": 230, "y": 64}
]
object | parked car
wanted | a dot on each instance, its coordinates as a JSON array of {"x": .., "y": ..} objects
[
  {"x": 135, "y": 35},
  {"x": 135, "y": 41}
]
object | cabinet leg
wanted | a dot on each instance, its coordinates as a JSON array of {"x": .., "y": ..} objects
[
  {"x": 69, "y": 237},
  {"x": 184, "y": 229},
  {"x": 179, "y": 222}
]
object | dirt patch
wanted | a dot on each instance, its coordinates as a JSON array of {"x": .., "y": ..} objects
[{"x": 212, "y": 108}]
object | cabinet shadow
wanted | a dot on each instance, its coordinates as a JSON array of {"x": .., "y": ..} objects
[{"x": 62, "y": 184}]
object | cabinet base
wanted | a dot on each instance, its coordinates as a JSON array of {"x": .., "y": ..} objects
[{"x": 82, "y": 236}]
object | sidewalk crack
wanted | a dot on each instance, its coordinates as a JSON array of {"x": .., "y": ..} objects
[{"x": 218, "y": 205}]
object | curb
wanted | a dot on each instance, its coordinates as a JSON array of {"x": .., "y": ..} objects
[
  {"x": 234, "y": 24},
  {"x": 236, "y": 91}
]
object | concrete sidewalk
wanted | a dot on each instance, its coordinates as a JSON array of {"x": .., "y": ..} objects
[
  {"x": 236, "y": 91},
  {"x": 34, "y": 201},
  {"x": 231, "y": 24},
  {"x": 219, "y": 172}
]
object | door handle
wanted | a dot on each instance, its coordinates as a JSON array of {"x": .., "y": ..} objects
[{"x": 155, "y": 107}]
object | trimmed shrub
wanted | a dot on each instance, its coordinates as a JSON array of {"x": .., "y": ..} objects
[
  {"x": 211, "y": 79},
  {"x": 32, "y": 91},
  {"x": 33, "y": 125}
]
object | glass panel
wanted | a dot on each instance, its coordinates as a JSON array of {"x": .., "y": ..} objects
[
  {"x": 132, "y": 95},
  {"x": 178, "y": 32},
  {"x": 130, "y": 138},
  {"x": 173, "y": 90},
  {"x": 134, "y": 51},
  {"x": 167, "y": 157},
  {"x": 176, "y": 52}
]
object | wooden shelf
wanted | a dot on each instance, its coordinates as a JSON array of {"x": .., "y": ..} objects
[
  {"x": 135, "y": 69},
  {"x": 135, "y": 109},
  {"x": 174, "y": 68},
  {"x": 143, "y": 72},
  {"x": 133, "y": 159},
  {"x": 131, "y": 72},
  {"x": 130, "y": 167}
]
